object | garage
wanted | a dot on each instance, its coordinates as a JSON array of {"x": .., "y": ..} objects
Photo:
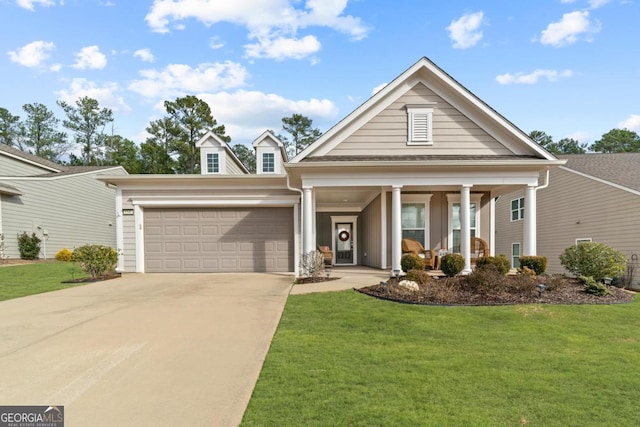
[{"x": 218, "y": 239}]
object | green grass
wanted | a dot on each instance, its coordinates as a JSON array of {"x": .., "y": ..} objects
[
  {"x": 345, "y": 359},
  {"x": 22, "y": 280}
]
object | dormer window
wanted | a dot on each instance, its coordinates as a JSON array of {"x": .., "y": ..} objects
[
  {"x": 268, "y": 162},
  {"x": 419, "y": 125},
  {"x": 213, "y": 163}
]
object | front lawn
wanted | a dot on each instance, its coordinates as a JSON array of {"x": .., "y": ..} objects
[
  {"x": 344, "y": 358},
  {"x": 22, "y": 280}
]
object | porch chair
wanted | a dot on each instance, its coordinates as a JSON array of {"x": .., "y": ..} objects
[
  {"x": 479, "y": 249},
  {"x": 327, "y": 253},
  {"x": 413, "y": 246}
]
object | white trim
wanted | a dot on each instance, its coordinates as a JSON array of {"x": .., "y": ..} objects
[
  {"x": 64, "y": 174},
  {"x": 492, "y": 226},
  {"x": 383, "y": 227},
  {"x": 520, "y": 209},
  {"x": 227, "y": 202},
  {"x": 422, "y": 199},
  {"x": 519, "y": 253},
  {"x": 119, "y": 231},
  {"x": 296, "y": 239},
  {"x": 273, "y": 161},
  {"x": 455, "y": 198},
  {"x": 583, "y": 240},
  {"x": 603, "y": 181},
  {"x": 138, "y": 217},
  {"x": 215, "y": 162},
  {"x": 415, "y": 138},
  {"x": 354, "y": 236}
]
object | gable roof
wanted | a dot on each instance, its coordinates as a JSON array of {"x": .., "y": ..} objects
[
  {"x": 621, "y": 169},
  {"x": 222, "y": 143},
  {"x": 29, "y": 158},
  {"x": 268, "y": 135},
  {"x": 426, "y": 72}
]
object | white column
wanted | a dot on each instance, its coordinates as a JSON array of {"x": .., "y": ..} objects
[
  {"x": 383, "y": 227},
  {"x": 492, "y": 226},
  {"x": 465, "y": 227},
  {"x": 530, "y": 229},
  {"x": 296, "y": 239},
  {"x": 138, "y": 217},
  {"x": 396, "y": 227},
  {"x": 119, "y": 232},
  {"x": 307, "y": 220}
]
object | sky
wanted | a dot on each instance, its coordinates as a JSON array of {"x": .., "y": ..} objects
[{"x": 570, "y": 68}]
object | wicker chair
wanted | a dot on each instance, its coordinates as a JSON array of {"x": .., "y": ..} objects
[
  {"x": 479, "y": 249},
  {"x": 411, "y": 246},
  {"x": 327, "y": 253}
]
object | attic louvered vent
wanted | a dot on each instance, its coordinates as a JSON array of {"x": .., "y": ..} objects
[{"x": 419, "y": 125}]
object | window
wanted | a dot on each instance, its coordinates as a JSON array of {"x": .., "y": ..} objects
[
  {"x": 419, "y": 125},
  {"x": 583, "y": 240},
  {"x": 413, "y": 222},
  {"x": 268, "y": 162},
  {"x": 455, "y": 224},
  {"x": 515, "y": 255},
  {"x": 517, "y": 209},
  {"x": 213, "y": 163}
]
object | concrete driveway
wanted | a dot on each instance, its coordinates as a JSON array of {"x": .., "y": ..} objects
[{"x": 142, "y": 350}]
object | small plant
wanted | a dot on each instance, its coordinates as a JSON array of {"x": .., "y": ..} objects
[
  {"x": 312, "y": 265},
  {"x": 2, "y": 254},
  {"x": 412, "y": 262},
  {"x": 96, "y": 260},
  {"x": 555, "y": 282},
  {"x": 421, "y": 277},
  {"x": 526, "y": 271},
  {"x": 486, "y": 280},
  {"x": 28, "y": 245},
  {"x": 452, "y": 264},
  {"x": 593, "y": 287},
  {"x": 64, "y": 255},
  {"x": 592, "y": 259},
  {"x": 501, "y": 263},
  {"x": 535, "y": 263}
]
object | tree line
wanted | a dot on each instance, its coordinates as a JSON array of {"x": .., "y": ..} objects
[
  {"x": 170, "y": 147},
  {"x": 614, "y": 141}
]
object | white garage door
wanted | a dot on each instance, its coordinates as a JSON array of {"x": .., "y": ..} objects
[{"x": 218, "y": 240}]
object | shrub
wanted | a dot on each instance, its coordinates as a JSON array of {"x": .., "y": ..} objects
[
  {"x": 555, "y": 282},
  {"x": 487, "y": 279},
  {"x": 412, "y": 262},
  {"x": 452, "y": 264},
  {"x": 526, "y": 271},
  {"x": 535, "y": 263},
  {"x": 28, "y": 245},
  {"x": 421, "y": 277},
  {"x": 96, "y": 260},
  {"x": 501, "y": 262},
  {"x": 64, "y": 255},
  {"x": 593, "y": 287},
  {"x": 596, "y": 260},
  {"x": 312, "y": 265}
]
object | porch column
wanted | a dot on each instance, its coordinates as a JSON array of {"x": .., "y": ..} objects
[
  {"x": 465, "y": 227},
  {"x": 396, "y": 227},
  {"x": 530, "y": 229},
  {"x": 307, "y": 220}
]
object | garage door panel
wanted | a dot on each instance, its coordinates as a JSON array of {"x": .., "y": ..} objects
[{"x": 218, "y": 240}]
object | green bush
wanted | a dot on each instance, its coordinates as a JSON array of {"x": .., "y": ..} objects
[
  {"x": 421, "y": 277},
  {"x": 501, "y": 262},
  {"x": 28, "y": 245},
  {"x": 412, "y": 262},
  {"x": 96, "y": 260},
  {"x": 593, "y": 287},
  {"x": 536, "y": 263},
  {"x": 452, "y": 264},
  {"x": 64, "y": 255},
  {"x": 592, "y": 259}
]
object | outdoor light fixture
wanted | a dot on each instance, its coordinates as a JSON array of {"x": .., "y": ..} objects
[
  {"x": 607, "y": 281},
  {"x": 327, "y": 272},
  {"x": 541, "y": 287}
]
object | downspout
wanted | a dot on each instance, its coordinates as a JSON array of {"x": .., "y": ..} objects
[
  {"x": 298, "y": 232},
  {"x": 546, "y": 183}
]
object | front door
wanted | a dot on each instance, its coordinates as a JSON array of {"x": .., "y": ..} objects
[{"x": 344, "y": 243}]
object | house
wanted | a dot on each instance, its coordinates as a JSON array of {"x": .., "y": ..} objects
[
  {"x": 423, "y": 158},
  {"x": 66, "y": 206},
  {"x": 592, "y": 198}
]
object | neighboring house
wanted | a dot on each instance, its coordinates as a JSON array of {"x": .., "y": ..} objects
[
  {"x": 66, "y": 206},
  {"x": 593, "y": 197},
  {"x": 422, "y": 158}
]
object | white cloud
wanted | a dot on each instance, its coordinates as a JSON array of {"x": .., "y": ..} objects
[
  {"x": 32, "y": 54},
  {"x": 272, "y": 24},
  {"x": 378, "y": 88},
  {"x": 533, "y": 77},
  {"x": 178, "y": 79},
  {"x": 595, "y": 4},
  {"x": 90, "y": 57},
  {"x": 55, "y": 67},
  {"x": 281, "y": 48},
  {"x": 144, "y": 54},
  {"x": 465, "y": 31},
  {"x": 569, "y": 29},
  {"x": 28, "y": 4},
  {"x": 632, "y": 123},
  {"x": 215, "y": 43},
  {"x": 267, "y": 111},
  {"x": 107, "y": 94}
]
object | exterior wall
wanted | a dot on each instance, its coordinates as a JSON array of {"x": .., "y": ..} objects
[
  {"x": 74, "y": 209},
  {"x": 14, "y": 167},
  {"x": 233, "y": 168},
  {"x": 371, "y": 234},
  {"x": 453, "y": 133},
  {"x": 268, "y": 145},
  {"x": 128, "y": 250},
  {"x": 575, "y": 207}
]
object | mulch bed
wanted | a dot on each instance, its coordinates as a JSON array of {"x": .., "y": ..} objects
[
  {"x": 94, "y": 279},
  {"x": 452, "y": 291},
  {"x": 303, "y": 280}
]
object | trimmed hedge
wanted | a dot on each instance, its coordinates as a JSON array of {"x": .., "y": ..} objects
[
  {"x": 452, "y": 264},
  {"x": 501, "y": 262},
  {"x": 536, "y": 263},
  {"x": 412, "y": 262}
]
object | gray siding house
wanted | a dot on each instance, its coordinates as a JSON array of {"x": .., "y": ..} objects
[
  {"x": 422, "y": 158},
  {"x": 593, "y": 197},
  {"x": 66, "y": 206}
]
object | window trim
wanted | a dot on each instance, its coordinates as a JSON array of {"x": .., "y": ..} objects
[
  {"x": 215, "y": 156},
  {"x": 513, "y": 264},
  {"x": 273, "y": 162},
  {"x": 419, "y": 199},
  {"x": 415, "y": 135},
  {"x": 455, "y": 198},
  {"x": 583, "y": 240},
  {"x": 519, "y": 210}
]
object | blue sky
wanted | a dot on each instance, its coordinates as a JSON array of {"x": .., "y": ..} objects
[{"x": 568, "y": 67}]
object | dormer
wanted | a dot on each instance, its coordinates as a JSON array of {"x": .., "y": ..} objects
[
  {"x": 216, "y": 158},
  {"x": 270, "y": 154}
]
